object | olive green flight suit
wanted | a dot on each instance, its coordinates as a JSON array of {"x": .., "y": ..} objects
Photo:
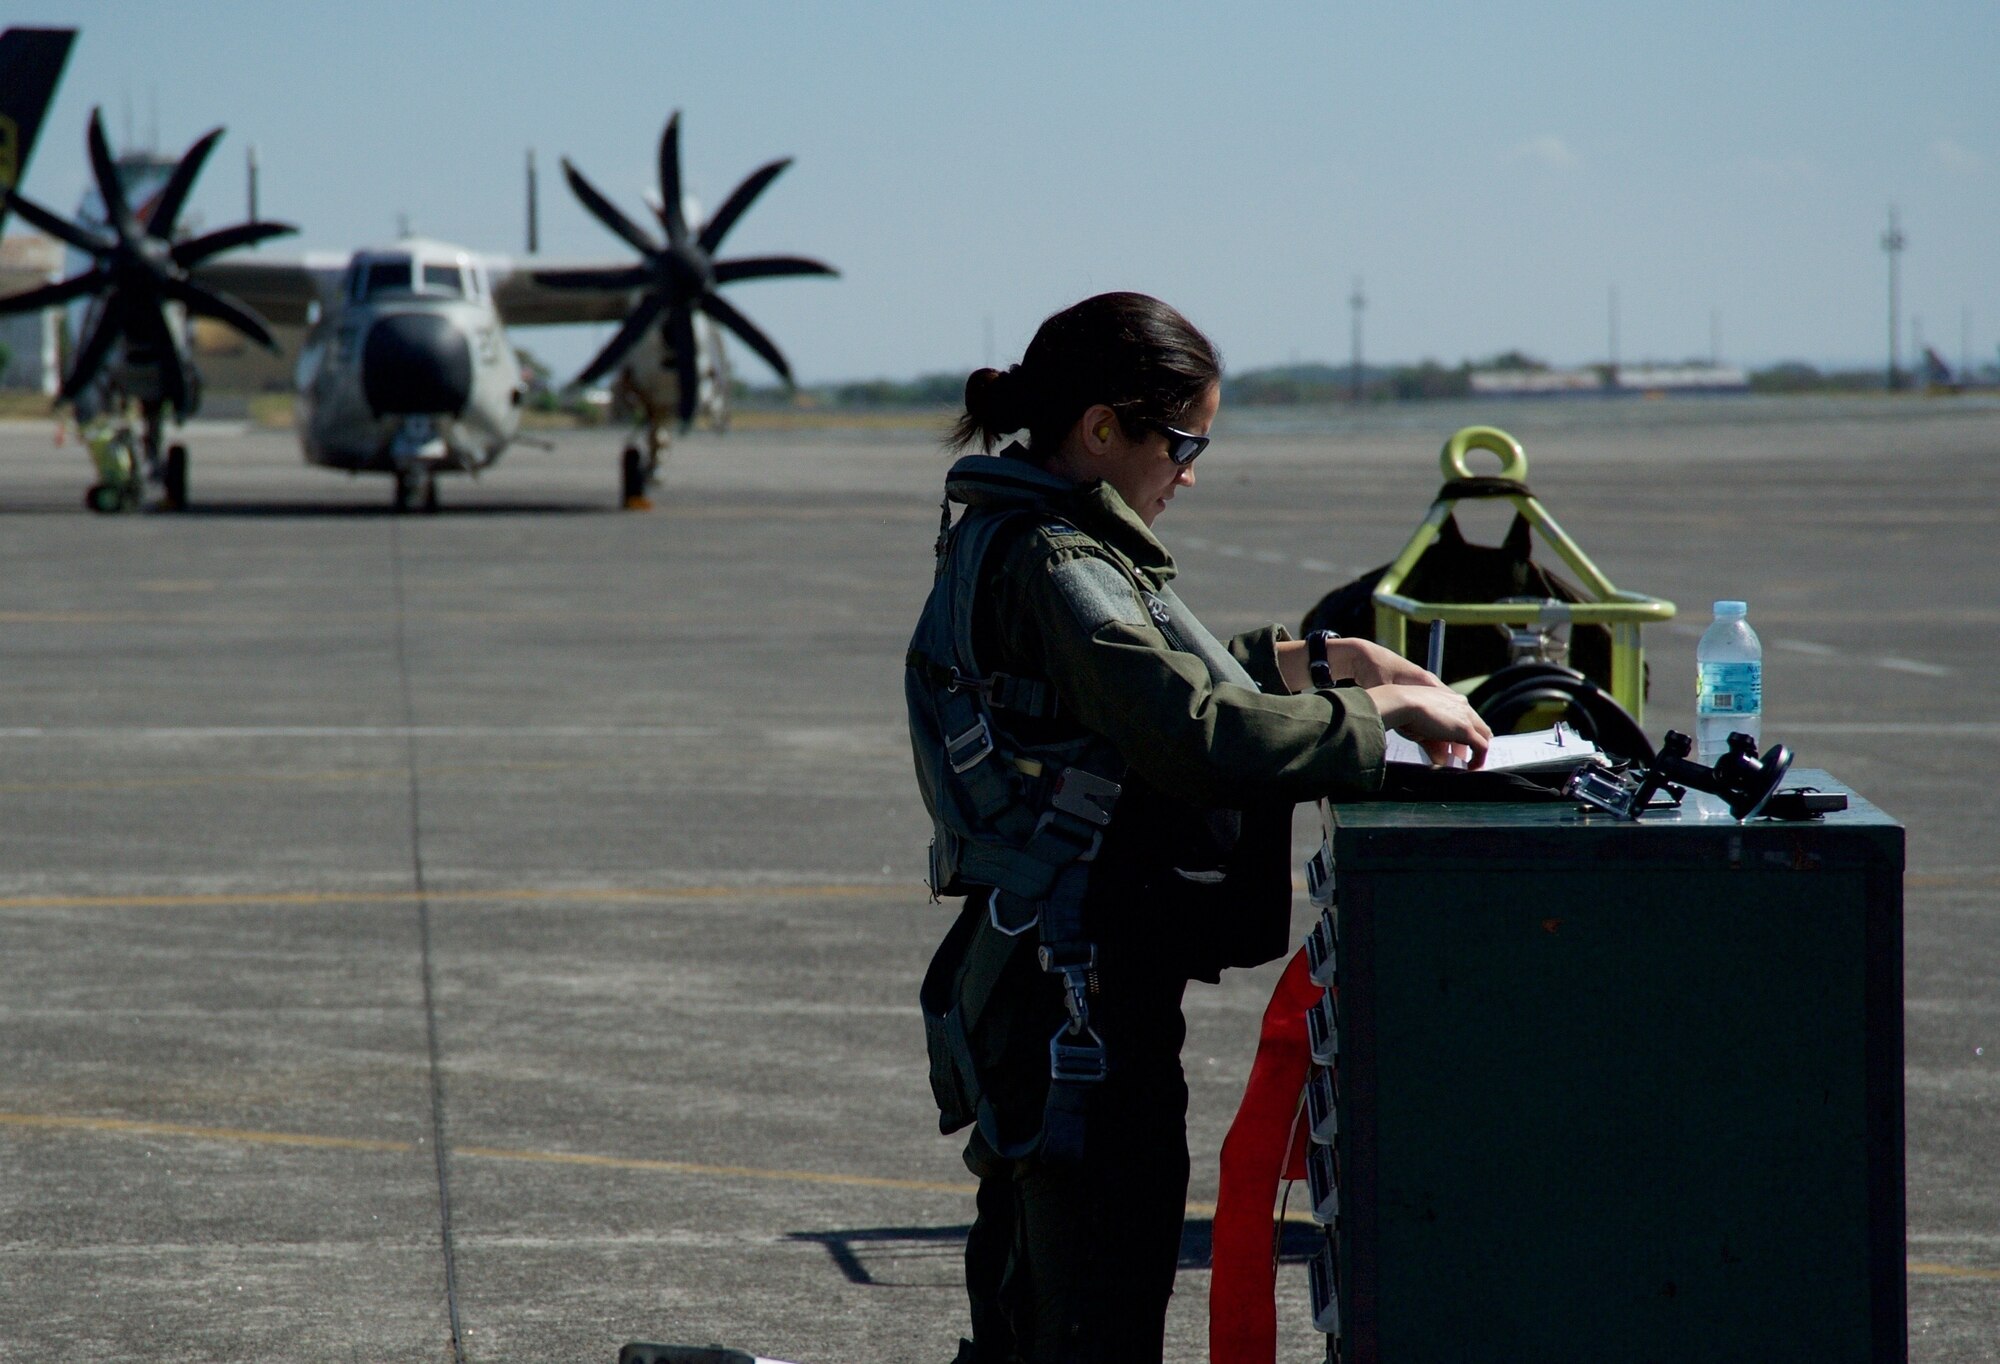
[{"x": 1066, "y": 1265}]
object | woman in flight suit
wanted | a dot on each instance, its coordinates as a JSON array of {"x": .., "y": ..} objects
[{"x": 1074, "y": 1259}]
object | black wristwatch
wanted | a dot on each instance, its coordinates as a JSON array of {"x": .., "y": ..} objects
[{"x": 1317, "y": 667}]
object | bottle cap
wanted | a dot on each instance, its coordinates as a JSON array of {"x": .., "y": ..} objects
[{"x": 1731, "y": 610}]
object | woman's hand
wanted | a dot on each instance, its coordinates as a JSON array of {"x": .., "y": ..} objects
[{"x": 1436, "y": 717}]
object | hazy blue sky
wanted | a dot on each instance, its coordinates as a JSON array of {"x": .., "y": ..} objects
[{"x": 1490, "y": 170}]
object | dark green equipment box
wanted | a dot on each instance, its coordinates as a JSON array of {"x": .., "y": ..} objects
[{"x": 1616, "y": 1091}]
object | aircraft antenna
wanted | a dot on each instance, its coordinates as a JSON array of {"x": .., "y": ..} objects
[
  {"x": 1893, "y": 242},
  {"x": 250, "y": 172},
  {"x": 534, "y": 227},
  {"x": 1356, "y": 301},
  {"x": 1611, "y": 319}
]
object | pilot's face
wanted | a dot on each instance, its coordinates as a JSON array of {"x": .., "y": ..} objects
[{"x": 1144, "y": 472}]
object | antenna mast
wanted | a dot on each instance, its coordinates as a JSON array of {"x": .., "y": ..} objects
[
  {"x": 1357, "y": 301},
  {"x": 1893, "y": 242}
]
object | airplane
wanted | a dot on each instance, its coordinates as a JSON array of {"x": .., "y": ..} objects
[{"x": 406, "y": 369}]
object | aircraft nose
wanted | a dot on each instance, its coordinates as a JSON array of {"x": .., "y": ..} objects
[{"x": 416, "y": 363}]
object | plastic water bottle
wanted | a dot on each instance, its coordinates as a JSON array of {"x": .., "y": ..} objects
[{"x": 1729, "y": 682}]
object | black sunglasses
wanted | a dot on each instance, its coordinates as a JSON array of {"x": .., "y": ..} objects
[{"x": 1182, "y": 446}]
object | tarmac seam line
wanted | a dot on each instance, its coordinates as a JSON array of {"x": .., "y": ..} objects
[{"x": 439, "y": 1149}]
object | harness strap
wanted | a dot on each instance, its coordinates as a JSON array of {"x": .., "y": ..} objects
[{"x": 1003, "y": 691}]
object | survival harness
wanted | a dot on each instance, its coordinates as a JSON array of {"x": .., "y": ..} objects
[{"x": 1025, "y": 820}]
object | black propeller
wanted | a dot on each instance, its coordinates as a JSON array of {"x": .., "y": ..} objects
[
  {"x": 137, "y": 269},
  {"x": 680, "y": 278}
]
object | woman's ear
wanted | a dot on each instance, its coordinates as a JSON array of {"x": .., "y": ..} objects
[{"x": 1097, "y": 427}]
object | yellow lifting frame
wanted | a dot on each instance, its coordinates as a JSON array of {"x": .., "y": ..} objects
[{"x": 1624, "y": 612}]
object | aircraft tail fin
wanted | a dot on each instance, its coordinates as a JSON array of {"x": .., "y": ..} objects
[{"x": 31, "y": 62}]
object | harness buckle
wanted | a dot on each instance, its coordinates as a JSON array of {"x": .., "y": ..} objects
[
  {"x": 1080, "y": 1062},
  {"x": 979, "y": 734},
  {"x": 1086, "y": 795},
  {"x": 1062, "y": 824},
  {"x": 993, "y": 917}
]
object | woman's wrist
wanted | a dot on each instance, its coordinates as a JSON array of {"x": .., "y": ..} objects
[{"x": 1319, "y": 667}]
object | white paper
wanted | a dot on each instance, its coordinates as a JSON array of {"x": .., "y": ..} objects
[{"x": 1544, "y": 747}]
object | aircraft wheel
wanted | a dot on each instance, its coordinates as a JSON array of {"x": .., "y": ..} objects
[
  {"x": 632, "y": 480},
  {"x": 103, "y": 498},
  {"x": 174, "y": 478}
]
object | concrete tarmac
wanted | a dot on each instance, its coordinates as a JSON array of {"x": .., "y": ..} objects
[{"x": 505, "y": 924}]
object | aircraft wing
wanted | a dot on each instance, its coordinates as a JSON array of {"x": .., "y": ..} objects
[
  {"x": 279, "y": 290},
  {"x": 525, "y": 301}
]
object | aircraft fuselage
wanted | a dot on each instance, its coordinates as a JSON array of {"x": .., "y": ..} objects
[{"x": 408, "y": 370}]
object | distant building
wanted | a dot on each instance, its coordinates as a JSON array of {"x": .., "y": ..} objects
[
  {"x": 1682, "y": 379},
  {"x": 34, "y": 359},
  {"x": 1535, "y": 383}
]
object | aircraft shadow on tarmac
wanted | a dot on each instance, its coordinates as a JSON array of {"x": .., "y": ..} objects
[
  {"x": 364, "y": 511},
  {"x": 886, "y": 1256},
  {"x": 338, "y": 511}
]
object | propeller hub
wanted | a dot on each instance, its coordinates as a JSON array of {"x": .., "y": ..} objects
[{"x": 688, "y": 269}]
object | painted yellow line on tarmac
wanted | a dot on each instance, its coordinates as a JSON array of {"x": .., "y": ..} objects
[
  {"x": 133, "y": 1127},
  {"x": 336, "y": 776},
  {"x": 136, "y": 1128},
  {"x": 1931, "y": 1269},
  {"x": 581, "y": 894},
  {"x": 1943, "y": 880},
  {"x": 684, "y": 1167}
]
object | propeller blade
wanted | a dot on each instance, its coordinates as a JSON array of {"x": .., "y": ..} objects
[
  {"x": 105, "y": 324},
  {"x": 628, "y": 335},
  {"x": 716, "y": 307},
  {"x": 198, "y": 249},
  {"x": 160, "y": 222},
  {"x": 687, "y": 362},
  {"x": 607, "y": 212},
  {"x": 741, "y": 198},
  {"x": 631, "y": 277},
  {"x": 214, "y": 303},
  {"x": 49, "y": 295},
  {"x": 59, "y": 228},
  {"x": 116, "y": 210},
  {"x": 765, "y": 267},
  {"x": 672, "y": 217}
]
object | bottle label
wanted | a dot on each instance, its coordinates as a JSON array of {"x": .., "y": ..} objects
[{"x": 1730, "y": 689}]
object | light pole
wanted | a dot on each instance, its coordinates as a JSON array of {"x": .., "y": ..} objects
[
  {"x": 1357, "y": 303},
  {"x": 1893, "y": 242}
]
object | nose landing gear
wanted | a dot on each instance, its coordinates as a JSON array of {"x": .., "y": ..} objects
[{"x": 416, "y": 486}]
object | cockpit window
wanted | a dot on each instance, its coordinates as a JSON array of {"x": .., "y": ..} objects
[
  {"x": 443, "y": 279},
  {"x": 391, "y": 274}
]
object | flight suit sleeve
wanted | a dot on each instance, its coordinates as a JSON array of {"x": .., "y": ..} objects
[
  {"x": 1257, "y": 651},
  {"x": 1211, "y": 743}
]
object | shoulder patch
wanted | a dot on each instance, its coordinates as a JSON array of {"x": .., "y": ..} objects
[{"x": 1096, "y": 592}]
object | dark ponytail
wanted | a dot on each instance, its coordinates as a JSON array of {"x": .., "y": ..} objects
[{"x": 1131, "y": 352}]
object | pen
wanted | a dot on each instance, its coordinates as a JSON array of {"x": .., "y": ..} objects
[{"x": 1434, "y": 660}]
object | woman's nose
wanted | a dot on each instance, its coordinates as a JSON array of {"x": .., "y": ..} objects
[{"x": 1185, "y": 475}]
